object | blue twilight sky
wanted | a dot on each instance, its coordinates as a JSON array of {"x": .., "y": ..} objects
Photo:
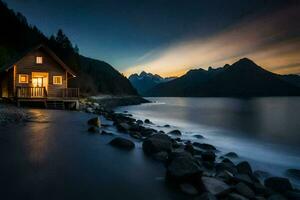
[{"x": 135, "y": 35}]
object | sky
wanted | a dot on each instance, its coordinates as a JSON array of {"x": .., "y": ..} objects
[{"x": 169, "y": 37}]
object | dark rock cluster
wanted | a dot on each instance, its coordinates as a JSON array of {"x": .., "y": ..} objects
[{"x": 195, "y": 169}]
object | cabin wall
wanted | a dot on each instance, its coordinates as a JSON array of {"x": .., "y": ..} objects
[
  {"x": 6, "y": 84},
  {"x": 27, "y": 65}
]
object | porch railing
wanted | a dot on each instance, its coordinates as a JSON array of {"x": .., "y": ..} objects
[
  {"x": 41, "y": 92},
  {"x": 70, "y": 92},
  {"x": 31, "y": 92}
]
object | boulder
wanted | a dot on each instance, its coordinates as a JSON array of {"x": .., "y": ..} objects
[
  {"x": 231, "y": 155},
  {"x": 124, "y": 127},
  {"x": 139, "y": 122},
  {"x": 96, "y": 105},
  {"x": 198, "y": 136},
  {"x": 167, "y": 126},
  {"x": 204, "y": 146},
  {"x": 245, "y": 178},
  {"x": 244, "y": 190},
  {"x": 230, "y": 167},
  {"x": 293, "y": 173},
  {"x": 278, "y": 184},
  {"x": 93, "y": 129},
  {"x": 189, "y": 148},
  {"x": 94, "y": 122},
  {"x": 208, "y": 156},
  {"x": 175, "y": 132},
  {"x": 183, "y": 169},
  {"x": 215, "y": 186},
  {"x": 188, "y": 189},
  {"x": 244, "y": 168},
  {"x": 295, "y": 194},
  {"x": 147, "y": 121},
  {"x": 122, "y": 143},
  {"x": 161, "y": 156},
  {"x": 206, "y": 196},
  {"x": 226, "y": 160},
  {"x": 136, "y": 135},
  {"x": 157, "y": 143},
  {"x": 235, "y": 196}
]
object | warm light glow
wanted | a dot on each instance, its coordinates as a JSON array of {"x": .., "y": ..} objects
[
  {"x": 57, "y": 80},
  {"x": 39, "y": 60},
  {"x": 23, "y": 78},
  {"x": 37, "y": 82},
  {"x": 267, "y": 40}
]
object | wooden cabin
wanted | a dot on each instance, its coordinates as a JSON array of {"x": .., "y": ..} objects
[{"x": 40, "y": 76}]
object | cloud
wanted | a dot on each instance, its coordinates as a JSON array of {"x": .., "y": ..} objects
[{"x": 271, "y": 40}]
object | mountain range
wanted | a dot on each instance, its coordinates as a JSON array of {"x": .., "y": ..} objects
[
  {"x": 244, "y": 78},
  {"x": 145, "y": 81}
]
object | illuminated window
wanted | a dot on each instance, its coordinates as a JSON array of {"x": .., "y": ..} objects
[
  {"x": 23, "y": 78},
  {"x": 39, "y": 60},
  {"x": 57, "y": 80}
]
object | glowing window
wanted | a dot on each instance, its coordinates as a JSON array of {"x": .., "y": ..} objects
[
  {"x": 23, "y": 78},
  {"x": 57, "y": 80},
  {"x": 39, "y": 60}
]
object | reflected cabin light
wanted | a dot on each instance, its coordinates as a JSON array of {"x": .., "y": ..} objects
[{"x": 39, "y": 60}]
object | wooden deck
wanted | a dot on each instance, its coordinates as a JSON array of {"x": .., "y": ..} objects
[{"x": 62, "y": 98}]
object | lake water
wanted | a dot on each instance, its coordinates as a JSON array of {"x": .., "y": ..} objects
[{"x": 264, "y": 131}]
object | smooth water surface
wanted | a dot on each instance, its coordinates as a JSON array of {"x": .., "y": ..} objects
[
  {"x": 264, "y": 131},
  {"x": 54, "y": 157}
]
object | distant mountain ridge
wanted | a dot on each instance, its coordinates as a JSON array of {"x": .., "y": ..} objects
[
  {"x": 145, "y": 81},
  {"x": 242, "y": 79}
]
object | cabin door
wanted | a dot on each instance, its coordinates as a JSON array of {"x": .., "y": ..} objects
[{"x": 40, "y": 79}]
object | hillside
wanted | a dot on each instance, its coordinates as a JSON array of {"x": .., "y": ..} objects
[
  {"x": 94, "y": 76},
  {"x": 145, "y": 81},
  {"x": 241, "y": 79}
]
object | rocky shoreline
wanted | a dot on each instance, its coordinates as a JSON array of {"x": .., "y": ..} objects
[
  {"x": 192, "y": 167},
  {"x": 12, "y": 114}
]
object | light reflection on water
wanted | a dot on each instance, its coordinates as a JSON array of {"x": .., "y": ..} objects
[{"x": 264, "y": 131}]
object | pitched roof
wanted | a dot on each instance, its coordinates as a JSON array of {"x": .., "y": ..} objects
[{"x": 49, "y": 51}]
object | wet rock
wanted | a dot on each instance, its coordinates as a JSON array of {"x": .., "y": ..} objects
[
  {"x": 245, "y": 178},
  {"x": 215, "y": 186},
  {"x": 225, "y": 175},
  {"x": 183, "y": 169},
  {"x": 106, "y": 133},
  {"x": 278, "y": 184},
  {"x": 157, "y": 143},
  {"x": 198, "y": 136},
  {"x": 230, "y": 167},
  {"x": 122, "y": 143},
  {"x": 244, "y": 190},
  {"x": 235, "y": 196},
  {"x": 139, "y": 122},
  {"x": 175, "y": 132},
  {"x": 293, "y": 173},
  {"x": 260, "y": 189},
  {"x": 146, "y": 132},
  {"x": 161, "y": 156},
  {"x": 188, "y": 189},
  {"x": 204, "y": 146},
  {"x": 136, "y": 135},
  {"x": 147, "y": 121},
  {"x": 167, "y": 126},
  {"x": 94, "y": 122},
  {"x": 94, "y": 129},
  {"x": 208, "y": 156},
  {"x": 124, "y": 127},
  {"x": 231, "y": 155},
  {"x": 206, "y": 196},
  {"x": 189, "y": 148},
  {"x": 244, "y": 168},
  {"x": 226, "y": 160}
]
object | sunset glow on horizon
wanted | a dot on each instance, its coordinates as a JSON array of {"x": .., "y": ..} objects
[{"x": 272, "y": 41}]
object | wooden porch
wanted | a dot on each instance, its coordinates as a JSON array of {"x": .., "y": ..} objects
[
  {"x": 62, "y": 99},
  {"x": 41, "y": 93}
]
